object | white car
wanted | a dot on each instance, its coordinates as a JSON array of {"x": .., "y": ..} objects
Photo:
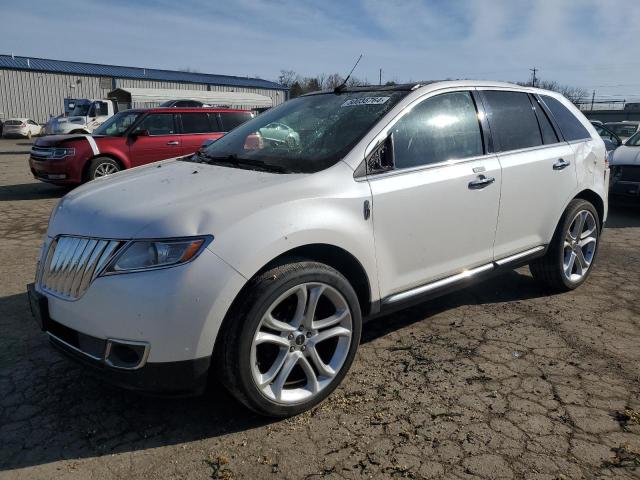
[
  {"x": 21, "y": 127},
  {"x": 257, "y": 263}
]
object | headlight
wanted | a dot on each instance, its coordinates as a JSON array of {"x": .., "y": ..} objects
[
  {"x": 58, "y": 153},
  {"x": 151, "y": 254}
]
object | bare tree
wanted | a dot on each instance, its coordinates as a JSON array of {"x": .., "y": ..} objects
[
  {"x": 287, "y": 78},
  {"x": 573, "y": 94}
]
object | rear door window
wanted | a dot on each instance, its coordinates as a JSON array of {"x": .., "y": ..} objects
[
  {"x": 231, "y": 120},
  {"x": 444, "y": 127},
  {"x": 195, "y": 123},
  {"x": 571, "y": 128},
  {"x": 512, "y": 119},
  {"x": 157, "y": 124}
]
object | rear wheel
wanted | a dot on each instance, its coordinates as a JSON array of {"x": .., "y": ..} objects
[
  {"x": 101, "y": 167},
  {"x": 291, "y": 339},
  {"x": 572, "y": 251}
]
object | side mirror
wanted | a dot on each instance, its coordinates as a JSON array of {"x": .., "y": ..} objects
[{"x": 381, "y": 159}]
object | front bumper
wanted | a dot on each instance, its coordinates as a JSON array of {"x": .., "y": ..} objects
[
  {"x": 624, "y": 192},
  {"x": 63, "y": 172},
  {"x": 176, "y": 312}
]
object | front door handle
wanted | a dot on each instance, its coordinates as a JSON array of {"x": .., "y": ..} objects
[
  {"x": 481, "y": 182},
  {"x": 174, "y": 142},
  {"x": 561, "y": 164}
]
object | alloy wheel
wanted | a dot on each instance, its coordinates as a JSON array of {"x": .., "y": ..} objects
[
  {"x": 105, "y": 169},
  {"x": 580, "y": 246},
  {"x": 301, "y": 343}
]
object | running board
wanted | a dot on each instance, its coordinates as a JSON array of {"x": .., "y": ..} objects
[{"x": 460, "y": 277}]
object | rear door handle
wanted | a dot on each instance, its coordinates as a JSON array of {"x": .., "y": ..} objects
[
  {"x": 561, "y": 164},
  {"x": 481, "y": 182},
  {"x": 174, "y": 142}
]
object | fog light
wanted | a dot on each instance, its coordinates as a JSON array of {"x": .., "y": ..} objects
[{"x": 127, "y": 355}]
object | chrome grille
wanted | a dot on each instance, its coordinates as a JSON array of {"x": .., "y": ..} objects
[
  {"x": 71, "y": 263},
  {"x": 41, "y": 153}
]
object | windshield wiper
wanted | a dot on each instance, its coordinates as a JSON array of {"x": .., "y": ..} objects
[{"x": 234, "y": 160}]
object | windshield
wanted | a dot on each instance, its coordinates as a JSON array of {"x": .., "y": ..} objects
[
  {"x": 307, "y": 134},
  {"x": 634, "y": 141},
  {"x": 117, "y": 125},
  {"x": 80, "y": 110},
  {"x": 622, "y": 129}
]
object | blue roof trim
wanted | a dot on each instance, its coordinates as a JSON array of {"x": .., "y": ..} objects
[{"x": 94, "y": 69}]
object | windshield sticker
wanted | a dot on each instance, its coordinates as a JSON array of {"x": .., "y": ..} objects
[{"x": 365, "y": 101}]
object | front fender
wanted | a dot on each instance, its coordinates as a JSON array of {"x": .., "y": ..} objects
[{"x": 257, "y": 239}]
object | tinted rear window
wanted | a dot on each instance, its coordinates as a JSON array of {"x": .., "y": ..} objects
[
  {"x": 512, "y": 119},
  {"x": 13, "y": 122},
  {"x": 231, "y": 120},
  {"x": 569, "y": 125},
  {"x": 195, "y": 123}
]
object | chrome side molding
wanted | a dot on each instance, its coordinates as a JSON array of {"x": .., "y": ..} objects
[
  {"x": 518, "y": 256},
  {"x": 438, "y": 284},
  {"x": 459, "y": 277}
]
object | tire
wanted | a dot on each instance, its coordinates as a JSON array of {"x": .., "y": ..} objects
[
  {"x": 254, "y": 368},
  {"x": 568, "y": 262},
  {"x": 100, "y": 167},
  {"x": 290, "y": 142}
]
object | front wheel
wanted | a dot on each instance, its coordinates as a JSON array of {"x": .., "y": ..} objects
[
  {"x": 291, "y": 339},
  {"x": 101, "y": 167},
  {"x": 572, "y": 251}
]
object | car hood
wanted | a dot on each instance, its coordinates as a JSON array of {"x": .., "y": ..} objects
[
  {"x": 168, "y": 199},
  {"x": 55, "y": 140},
  {"x": 624, "y": 155}
]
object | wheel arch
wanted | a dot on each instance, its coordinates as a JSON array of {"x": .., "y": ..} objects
[
  {"x": 596, "y": 200},
  {"x": 85, "y": 167},
  {"x": 337, "y": 258}
]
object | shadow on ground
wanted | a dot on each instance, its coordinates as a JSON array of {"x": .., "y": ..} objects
[
  {"x": 31, "y": 191},
  {"x": 53, "y": 410}
]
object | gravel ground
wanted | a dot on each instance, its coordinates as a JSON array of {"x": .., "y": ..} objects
[{"x": 500, "y": 380}]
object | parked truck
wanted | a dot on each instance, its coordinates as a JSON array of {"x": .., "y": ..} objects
[{"x": 86, "y": 116}]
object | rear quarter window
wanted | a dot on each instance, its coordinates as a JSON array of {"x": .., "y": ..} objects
[
  {"x": 571, "y": 128},
  {"x": 231, "y": 120}
]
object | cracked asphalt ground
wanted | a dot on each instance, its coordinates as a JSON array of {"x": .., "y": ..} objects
[{"x": 496, "y": 381}]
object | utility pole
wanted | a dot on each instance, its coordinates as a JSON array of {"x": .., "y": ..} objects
[
  {"x": 593, "y": 99},
  {"x": 380, "y": 82},
  {"x": 533, "y": 78}
]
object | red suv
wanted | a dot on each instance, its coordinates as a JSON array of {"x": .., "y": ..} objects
[{"x": 130, "y": 139}]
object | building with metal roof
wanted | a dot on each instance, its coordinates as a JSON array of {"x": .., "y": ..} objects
[{"x": 36, "y": 87}]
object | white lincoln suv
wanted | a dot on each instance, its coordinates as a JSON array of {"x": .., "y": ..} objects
[{"x": 257, "y": 260}]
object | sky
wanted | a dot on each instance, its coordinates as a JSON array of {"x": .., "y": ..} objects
[{"x": 585, "y": 43}]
